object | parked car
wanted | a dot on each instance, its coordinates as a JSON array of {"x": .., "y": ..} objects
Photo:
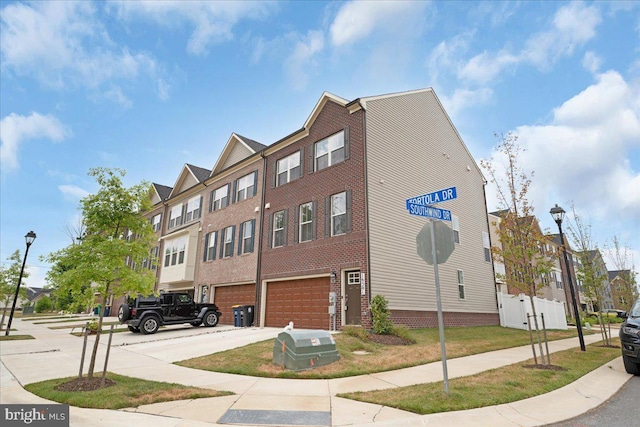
[
  {"x": 630, "y": 340},
  {"x": 147, "y": 314},
  {"x": 615, "y": 313}
]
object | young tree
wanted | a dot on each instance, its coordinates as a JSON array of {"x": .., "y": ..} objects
[
  {"x": 591, "y": 270},
  {"x": 117, "y": 236},
  {"x": 626, "y": 291},
  {"x": 9, "y": 277},
  {"x": 522, "y": 243}
]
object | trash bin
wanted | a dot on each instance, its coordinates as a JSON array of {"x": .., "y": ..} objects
[
  {"x": 107, "y": 311},
  {"x": 304, "y": 349},
  {"x": 237, "y": 315},
  {"x": 247, "y": 315}
]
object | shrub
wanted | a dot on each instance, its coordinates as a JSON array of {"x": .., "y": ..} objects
[
  {"x": 93, "y": 326},
  {"x": 402, "y": 332},
  {"x": 357, "y": 332},
  {"x": 381, "y": 315},
  {"x": 44, "y": 305}
]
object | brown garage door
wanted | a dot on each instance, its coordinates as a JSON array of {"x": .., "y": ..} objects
[
  {"x": 225, "y": 297},
  {"x": 304, "y": 301}
]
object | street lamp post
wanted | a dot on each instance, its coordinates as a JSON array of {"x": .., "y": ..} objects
[
  {"x": 558, "y": 215},
  {"x": 29, "y": 238}
]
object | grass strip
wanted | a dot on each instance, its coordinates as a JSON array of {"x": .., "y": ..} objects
[
  {"x": 126, "y": 393},
  {"x": 257, "y": 359},
  {"x": 15, "y": 337},
  {"x": 508, "y": 384}
]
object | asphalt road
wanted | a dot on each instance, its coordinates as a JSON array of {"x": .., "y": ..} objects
[{"x": 622, "y": 410}]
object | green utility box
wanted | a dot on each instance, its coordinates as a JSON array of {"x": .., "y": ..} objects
[{"x": 304, "y": 349}]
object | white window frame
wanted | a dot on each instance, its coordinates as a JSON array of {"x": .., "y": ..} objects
[
  {"x": 461, "y": 290},
  {"x": 156, "y": 222},
  {"x": 194, "y": 205},
  {"x": 305, "y": 222},
  {"x": 219, "y": 195},
  {"x": 286, "y": 167},
  {"x": 487, "y": 246},
  {"x": 455, "y": 224},
  {"x": 335, "y": 213},
  {"x": 175, "y": 251},
  {"x": 211, "y": 246},
  {"x": 243, "y": 185},
  {"x": 353, "y": 277},
  {"x": 246, "y": 238},
  {"x": 278, "y": 229},
  {"x": 329, "y": 147},
  {"x": 175, "y": 216},
  {"x": 227, "y": 250}
]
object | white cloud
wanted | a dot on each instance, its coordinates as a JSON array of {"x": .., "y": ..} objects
[
  {"x": 212, "y": 22},
  {"x": 302, "y": 58},
  {"x": 465, "y": 98},
  {"x": 592, "y": 62},
  {"x": 63, "y": 44},
  {"x": 358, "y": 19},
  {"x": 16, "y": 129},
  {"x": 72, "y": 192},
  {"x": 485, "y": 67}
]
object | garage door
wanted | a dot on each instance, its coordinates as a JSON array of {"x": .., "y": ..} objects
[
  {"x": 225, "y": 297},
  {"x": 305, "y": 302}
]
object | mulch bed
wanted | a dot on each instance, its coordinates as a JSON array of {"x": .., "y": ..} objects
[
  {"x": 389, "y": 339},
  {"x": 85, "y": 384}
]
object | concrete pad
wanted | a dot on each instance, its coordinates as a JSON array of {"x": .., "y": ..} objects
[
  {"x": 283, "y": 403},
  {"x": 283, "y": 387},
  {"x": 350, "y": 412},
  {"x": 359, "y": 383},
  {"x": 208, "y": 410}
]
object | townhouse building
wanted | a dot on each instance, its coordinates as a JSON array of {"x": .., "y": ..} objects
[
  {"x": 622, "y": 288},
  {"x": 320, "y": 215}
]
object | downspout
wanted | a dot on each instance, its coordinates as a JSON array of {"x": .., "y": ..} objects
[
  {"x": 366, "y": 203},
  {"x": 259, "y": 260}
]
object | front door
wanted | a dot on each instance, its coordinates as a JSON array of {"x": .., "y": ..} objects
[{"x": 352, "y": 303}]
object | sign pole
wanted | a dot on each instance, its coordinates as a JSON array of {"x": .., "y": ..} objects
[{"x": 443, "y": 350}]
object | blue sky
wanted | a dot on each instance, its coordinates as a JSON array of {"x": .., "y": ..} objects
[{"x": 150, "y": 86}]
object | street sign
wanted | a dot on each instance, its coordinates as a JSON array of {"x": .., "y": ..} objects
[
  {"x": 428, "y": 211},
  {"x": 443, "y": 240},
  {"x": 433, "y": 198}
]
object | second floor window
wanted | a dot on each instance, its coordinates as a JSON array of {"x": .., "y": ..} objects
[
  {"x": 279, "y": 229},
  {"x": 227, "y": 242},
  {"x": 175, "y": 216},
  {"x": 174, "y": 251},
  {"x": 245, "y": 245},
  {"x": 193, "y": 208},
  {"x": 455, "y": 223},
  {"x": 219, "y": 198},
  {"x": 288, "y": 168},
  {"x": 329, "y": 151},
  {"x": 245, "y": 187},
  {"x": 485, "y": 245},
  {"x": 156, "y": 222},
  {"x": 210, "y": 240},
  {"x": 306, "y": 224},
  {"x": 339, "y": 214}
]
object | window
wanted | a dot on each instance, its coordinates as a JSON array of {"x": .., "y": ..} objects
[
  {"x": 245, "y": 187},
  {"x": 288, "y": 168},
  {"x": 227, "y": 242},
  {"x": 558, "y": 279},
  {"x": 486, "y": 246},
  {"x": 156, "y": 222},
  {"x": 246, "y": 234},
  {"x": 174, "y": 251},
  {"x": 210, "y": 240},
  {"x": 193, "y": 208},
  {"x": 175, "y": 216},
  {"x": 306, "y": 225},
  {"x": 152, "y": 260},
  {"x": 455, "y": 223},
  {"x": 219, "y": 198},
  {"x": 353, "y": 278},
  {"x": 279, "y": 230},
  {"x": 461, "y": 284},
  {"x": 338, "y": 214},
  {"x": 204, "y": 298},
  {"x": 329, "y": 151}
]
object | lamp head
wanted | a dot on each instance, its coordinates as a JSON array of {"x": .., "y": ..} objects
[
  {"x": 557, "y": 213},
  {"x": 30, "y": 237}
]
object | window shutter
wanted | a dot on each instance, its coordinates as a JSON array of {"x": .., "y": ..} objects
[
  {"x": 301, "y": 162},
  {"x": 286, "y": 226},
  {"x": 233, "y": 236},
  {"x": 314, "y": 224},
  {"x": 346, "y": 143},
  {"x": 255, "y": 184},
  {"x": 200, "y": 207},
  {"x": 240, "y": 238},
  {"x": 233, "y": 195},
  {"x": 270, "y": 238},
  {"x": 311, "y": 159},
  {"x": 348, "y": 230},
  {"x": 296, "y": 221},
  {"x": 274, "y": 174},
  {"x": 222, "y": 232},
  {"x": 211, "y": 201},
  {"x": 327, "y": 216},
  {"x": 253, "y": 234},
  {"x": 206, "y": 247}
]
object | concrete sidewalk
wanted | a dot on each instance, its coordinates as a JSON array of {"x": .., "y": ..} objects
[{"x": 268, "y": 401}]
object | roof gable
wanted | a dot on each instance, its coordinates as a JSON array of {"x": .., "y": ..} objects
[
  {"x": 237, "y": 149},
  {"x": 159, "y": 193},
  {"x": 191, "y": 175}
]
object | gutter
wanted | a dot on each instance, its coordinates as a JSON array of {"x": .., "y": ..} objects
[{"x": 260, "y": 239}]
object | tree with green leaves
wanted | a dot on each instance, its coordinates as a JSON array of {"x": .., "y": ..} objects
[
  {"x": 591, "y": 269},
  {"x": 116, "y": 237},
  {"x": 9, "y": 277},
  {"x": 626, "y": 284},
  {"x": 522, "y": 242}
]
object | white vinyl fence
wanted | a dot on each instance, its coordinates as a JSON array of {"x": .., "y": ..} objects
[{"x": 514, "y": 310}]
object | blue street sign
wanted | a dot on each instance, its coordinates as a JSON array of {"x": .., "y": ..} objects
[
  {"x": 430, "y": 199},
  {"x": 429, "y": 212}
]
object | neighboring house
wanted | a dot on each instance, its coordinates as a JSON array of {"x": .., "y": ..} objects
[
  {"x": 594, "y": 258},
  {"x": 322, "y": 211},
  {"x": 622, "y": 289},
  {"x": 570, "y": 276}
]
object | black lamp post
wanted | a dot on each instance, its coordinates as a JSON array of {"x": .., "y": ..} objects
[
  {"x": 30, "y": 237},
  {"x": 558, "y": 215}
]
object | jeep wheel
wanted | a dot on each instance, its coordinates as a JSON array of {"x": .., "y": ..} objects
[
  {"x": 133, "y": 329},
  {"x": 124, "y": 313},
  {"x": 630, "y": 365},
  {"x": 211, "y": 319},
  {"x": 150, "y": 325}
]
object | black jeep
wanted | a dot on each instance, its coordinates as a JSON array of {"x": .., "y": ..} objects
[
  {"x": 630, "y": 340},
  {"x": 147, "y": 314}
]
